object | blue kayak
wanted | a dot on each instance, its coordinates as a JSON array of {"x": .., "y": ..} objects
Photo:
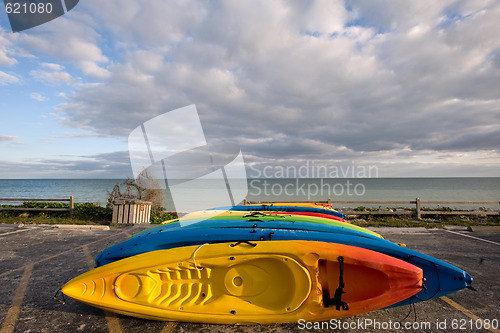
[
  {"x": 257, "y": 222},
  {"x": 270, "y": 208},
  {"x": 441, "y": 278}
]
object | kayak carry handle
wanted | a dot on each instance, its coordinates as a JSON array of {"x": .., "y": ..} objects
[
  {"x": 254, "y": 214},
  {"x": 244, "y": 242}
]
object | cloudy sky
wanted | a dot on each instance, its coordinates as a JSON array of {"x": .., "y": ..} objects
[{"x": 410, "y": 87}]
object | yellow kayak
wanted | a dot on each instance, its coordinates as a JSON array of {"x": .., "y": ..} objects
[
  {"x": 249, "y": 283},
  {"x": 296, "y": 204}
]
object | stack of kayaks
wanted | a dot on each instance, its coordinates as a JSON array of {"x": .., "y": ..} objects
[{"x": 261, "y": 264}]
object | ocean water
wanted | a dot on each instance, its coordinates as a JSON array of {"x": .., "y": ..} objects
[
  {"x": 83, "y": 190},
  {"x": 380, "y": 189},
  {"x": 337, "y": 189}
]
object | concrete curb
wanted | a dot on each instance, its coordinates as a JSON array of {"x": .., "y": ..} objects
[
  {"x": 398, "y": 230},
  {"x": 455, "y": 227},
  {"x": 483, "y": 228},
  {"x": 80, "y": 227}
]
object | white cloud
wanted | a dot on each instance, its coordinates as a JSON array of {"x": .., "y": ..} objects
[
  {"x": 7, "y": 138},
  {"x": 53, "y": 76},
  {"x": 52, "y": 66},
  {"x": 91, "y": 69},
  {"x": 62, "y": 95},
  {"x": 145, "y": 61},
  {"x": 7, "y": 50},
  {"x": 6, "y": 79},
  {"x": 38, "y": 97},
  {"x": 323, "y": 16},
  {"x": 150, "y": 22},
  {"x": 68, "y": 40}
]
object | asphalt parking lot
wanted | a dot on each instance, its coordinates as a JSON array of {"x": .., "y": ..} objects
[{"x": 35, "y": 261}]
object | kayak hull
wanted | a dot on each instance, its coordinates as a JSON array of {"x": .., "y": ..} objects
[
  {"x": 249, "y": 283},
  {"x": 441, "y": 278}
]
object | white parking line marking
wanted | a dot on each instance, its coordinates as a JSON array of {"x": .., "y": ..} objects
[
  {"x": 484, "y": 240},
  {"x": 468, "y": 313},
  {"x": 61, "y": 253},
  {"x": 15, "y": 232}
]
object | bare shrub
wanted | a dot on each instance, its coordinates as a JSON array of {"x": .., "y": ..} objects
[{"x": 145, "y": 188}]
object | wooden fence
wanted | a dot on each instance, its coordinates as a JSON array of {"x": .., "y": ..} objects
[
  {"x": 418, "y": 208},
  {"x": 417, "y": 202},
  {"x": 70, "y": 209}
]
